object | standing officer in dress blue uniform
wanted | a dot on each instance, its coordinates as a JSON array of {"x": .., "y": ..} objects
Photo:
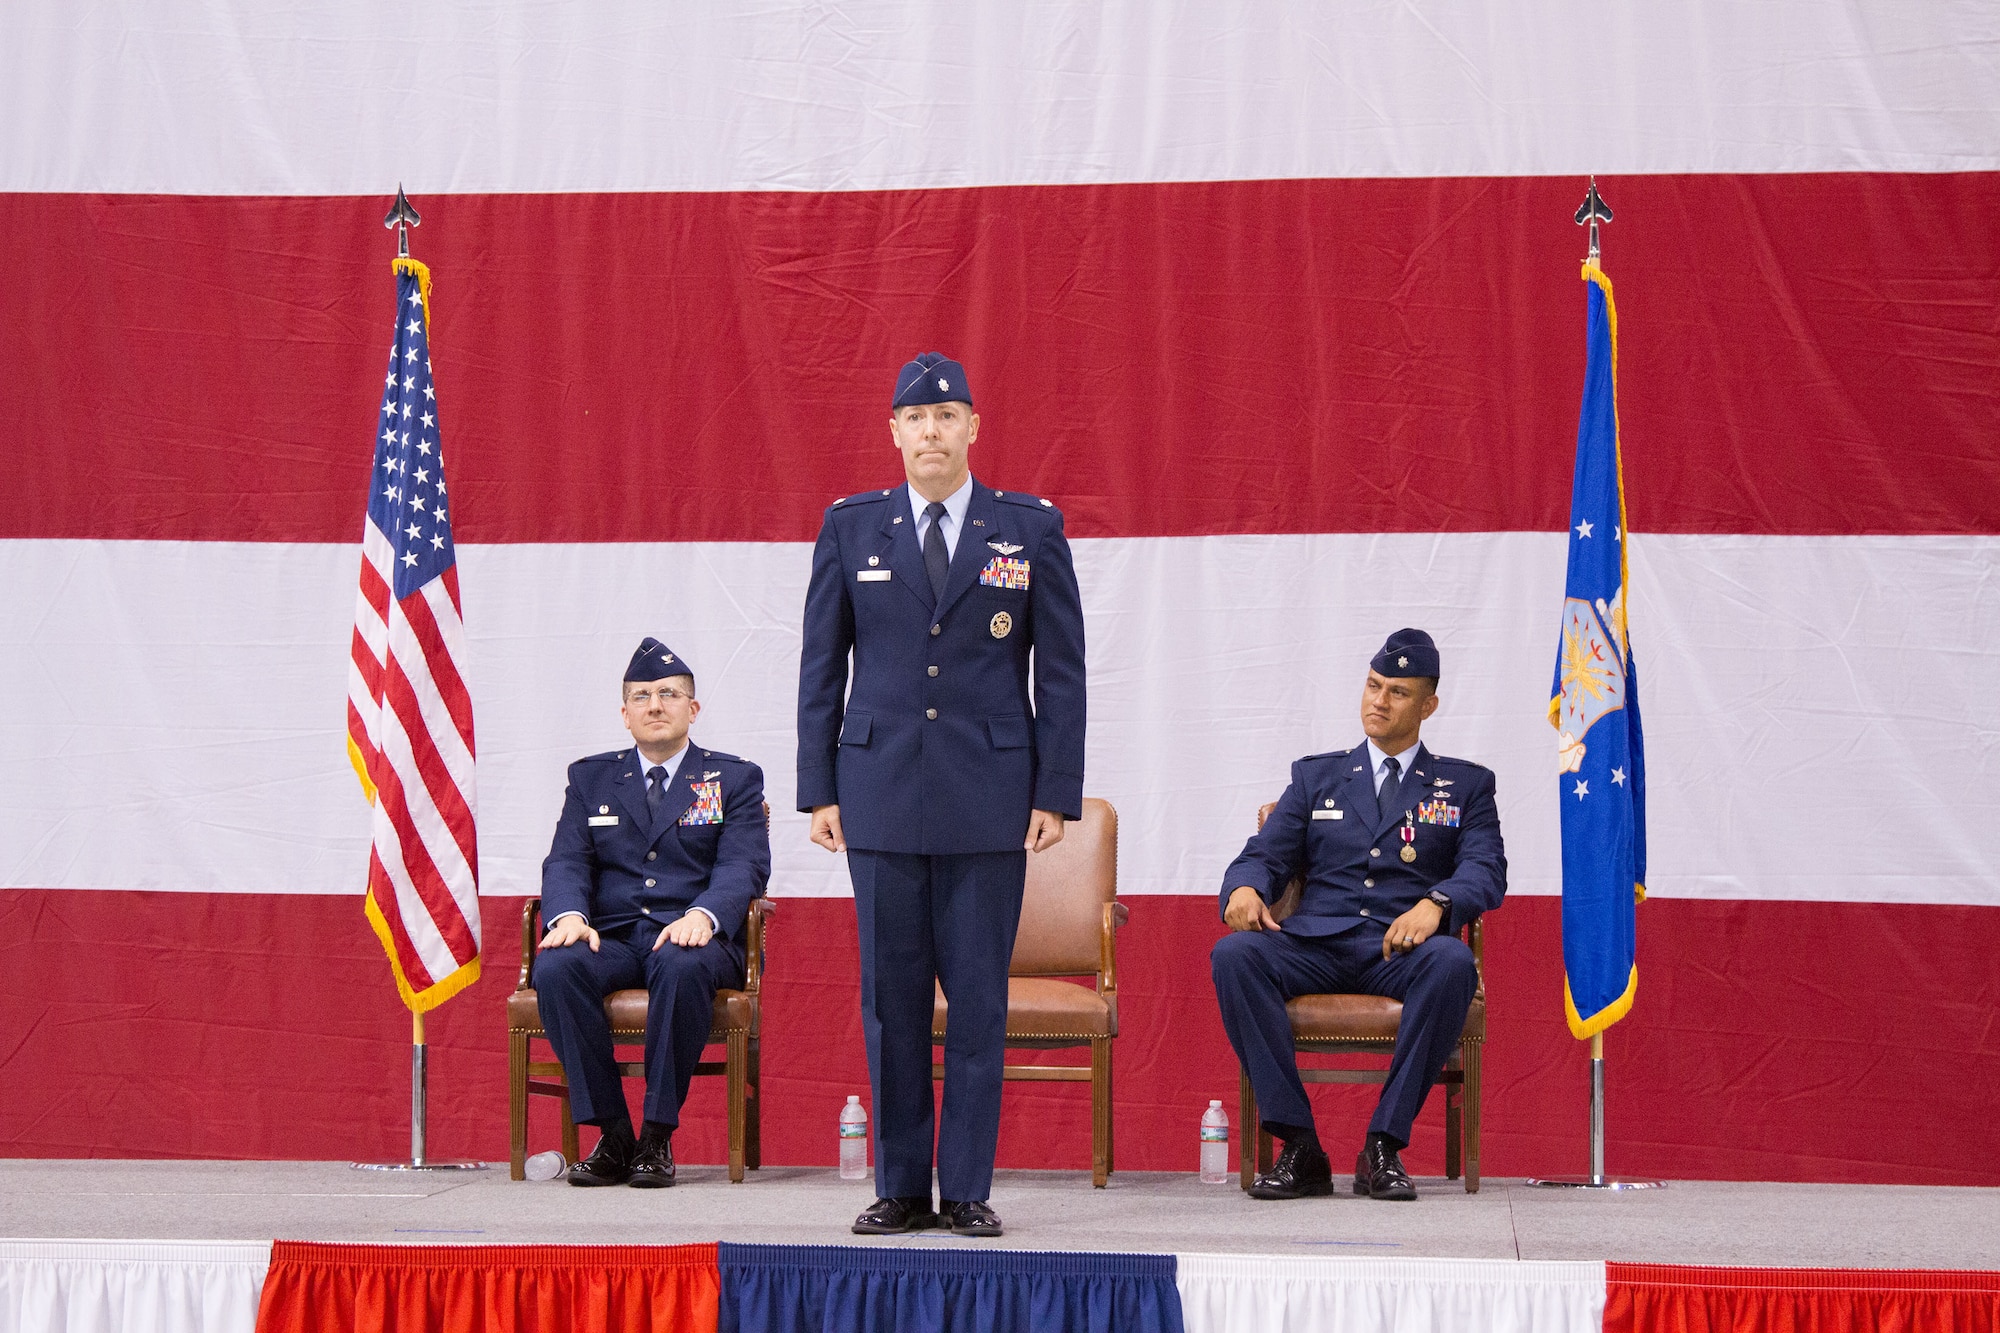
[
  {"x": 937, "y": 773},
  {"x": 1399, "y": 849},
  {"x": 658, "y": 854}
]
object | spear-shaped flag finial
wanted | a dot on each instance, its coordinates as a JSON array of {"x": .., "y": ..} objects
[
  {"x": 403, "y": 217},
  {"x": 1594, "y": 211}
]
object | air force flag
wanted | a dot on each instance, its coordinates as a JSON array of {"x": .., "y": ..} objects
[{"x": 1595, "y": 708}]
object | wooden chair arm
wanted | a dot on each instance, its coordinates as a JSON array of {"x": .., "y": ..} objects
[
  {"x": 753, "y": 941},
  {"x": 531, "y": 928},
  {"x": 1116, "y": 914},
  {"x": 753, "y": 944}
]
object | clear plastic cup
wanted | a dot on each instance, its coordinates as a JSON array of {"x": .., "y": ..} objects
[{"x": 546, "y": 1166}]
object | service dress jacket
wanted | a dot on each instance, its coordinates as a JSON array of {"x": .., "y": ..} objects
[
  {"x": 617, "y": 864},
  {"x": 934, "y": 741},
  {"x": 1328, "y": 827}
]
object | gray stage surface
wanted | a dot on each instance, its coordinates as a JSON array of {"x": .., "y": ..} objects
[{"x": 1689, "y": 1222}]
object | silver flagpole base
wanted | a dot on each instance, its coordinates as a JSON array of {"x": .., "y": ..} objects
[
  {"x": 1596, "y": 1180},
  {"x": 419, "y": 1074}
]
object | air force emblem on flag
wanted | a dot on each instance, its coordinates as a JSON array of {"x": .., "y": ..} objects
[{"x": 1593, "y": 676}]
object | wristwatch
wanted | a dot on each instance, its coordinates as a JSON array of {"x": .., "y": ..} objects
[{"x": 1443, "y": 902}]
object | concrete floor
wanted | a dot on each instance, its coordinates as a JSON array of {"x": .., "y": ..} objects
[{"x": 1690, "y": 1222}]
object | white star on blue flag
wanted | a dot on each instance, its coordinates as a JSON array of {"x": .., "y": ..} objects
[{"x": 412, "y": 515}]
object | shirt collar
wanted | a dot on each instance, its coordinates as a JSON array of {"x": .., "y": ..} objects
[
  {"x": 673, "y": 766},
  {"x": 1403, "y": 760},
  {"x": 955, "y": 505}
]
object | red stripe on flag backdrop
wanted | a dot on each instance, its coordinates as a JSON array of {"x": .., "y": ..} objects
[
  {"x": 1791, "y": 1042},
  {"x": 1800, "y": 354}
]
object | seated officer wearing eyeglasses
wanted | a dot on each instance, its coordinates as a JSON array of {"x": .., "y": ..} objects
[
  {"x": 659, "y": 852},
  {"x": 1399, "y": 849}
]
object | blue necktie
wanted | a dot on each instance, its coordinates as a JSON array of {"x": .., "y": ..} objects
[
  {"x": 656, "y": 790},
  {"x": 1391, "y": 784},
  {"x": 937, "y": 561}
]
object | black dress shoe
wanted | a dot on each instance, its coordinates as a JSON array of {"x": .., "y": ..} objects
[
  {"x": 609, "y": 1163},
  {"x": 971, "y": 1218},
  {"x": 892, "y": 1217},
  {"x": 1379, "y": 1174},
  {"x": 1301, "y": 1169},
  {"x": 653, "y": 1166}
]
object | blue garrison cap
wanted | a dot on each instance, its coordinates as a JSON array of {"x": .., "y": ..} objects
[
  {"x": 931, "y": 378},
  {"x": 655, "y": 661},
  {"x": 1409, "y": 652}
]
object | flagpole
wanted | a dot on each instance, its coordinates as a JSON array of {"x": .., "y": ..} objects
[
  {"x": 1596, "y": 1180},
  {"x": 420, "y": 1085},
  {"x": 1594, "y": 211},
  {"x": 403, "y": 217},
  {"x": 1596, "y": 1108}
]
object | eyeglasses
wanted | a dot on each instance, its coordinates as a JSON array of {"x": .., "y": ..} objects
[{"x": 644, "y": 698}]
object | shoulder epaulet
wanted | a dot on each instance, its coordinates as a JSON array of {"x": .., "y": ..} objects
[
  {"x": 861, "y": 498},
  {"x": 1027, "y": 501},
  {"x": 1328, "y": 754},
  {"x": 717, "y": 754},
  {"x": 608, "y": 757},
  {"x": 1462, "y": 763}
]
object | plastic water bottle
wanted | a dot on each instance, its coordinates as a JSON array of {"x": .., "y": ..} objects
[
  {"x": 853, "y": 1141},
  {"x": 545, "y": 1166},
  {"x": 1214, "y": 1145}
]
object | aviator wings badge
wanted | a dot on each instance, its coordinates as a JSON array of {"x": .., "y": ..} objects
[{"x": 1004, "y": 548}]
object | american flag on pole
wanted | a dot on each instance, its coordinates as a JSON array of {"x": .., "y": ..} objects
[{"x": 409, "y": 715}]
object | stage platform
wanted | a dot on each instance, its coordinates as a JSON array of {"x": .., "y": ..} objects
[{"x": 1690, "y": 1222}]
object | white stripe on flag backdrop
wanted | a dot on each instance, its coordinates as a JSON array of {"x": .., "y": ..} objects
[
  {"x": 1779, "y": 682},
  {"x": 234, "y": 98}
]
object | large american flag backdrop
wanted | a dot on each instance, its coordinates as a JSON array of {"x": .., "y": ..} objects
[{"x": 1277, "y": 301}]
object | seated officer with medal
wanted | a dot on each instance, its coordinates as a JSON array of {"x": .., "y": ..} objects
[
  {"x": 1399, "y": 849},
  {"x": 659, "y": 852}
]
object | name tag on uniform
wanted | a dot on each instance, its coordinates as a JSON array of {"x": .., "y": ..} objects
[
  {"x": 871, "y": 575},
  {"x": 604, "y": 821},
  {"x": 1329, "y": 814}
]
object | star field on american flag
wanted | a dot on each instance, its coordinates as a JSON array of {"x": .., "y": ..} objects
[{"x": 408, "y": 500}]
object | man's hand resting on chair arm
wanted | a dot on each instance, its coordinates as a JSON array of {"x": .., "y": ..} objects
[{"x": 1247, "y": 910}]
